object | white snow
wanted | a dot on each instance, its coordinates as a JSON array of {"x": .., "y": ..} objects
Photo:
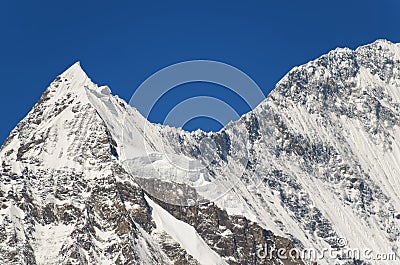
[{"x": 49, "y": 240}]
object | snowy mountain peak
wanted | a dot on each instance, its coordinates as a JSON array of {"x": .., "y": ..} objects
[
  {"x": 74, "y": 83},
  {"x": 75, "y": 71},
  {"x": 382, "y": 46},
  {"x": 383, "y": 42},
  {"x": 54, "y": 130}
]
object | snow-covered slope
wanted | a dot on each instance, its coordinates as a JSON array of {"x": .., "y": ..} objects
[{"x": 318, "y": 162}]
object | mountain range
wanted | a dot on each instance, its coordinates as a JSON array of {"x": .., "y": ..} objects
[{"x": 86, "y": 179}]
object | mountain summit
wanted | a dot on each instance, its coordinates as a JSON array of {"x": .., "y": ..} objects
[{"x": 87, "y": 180}]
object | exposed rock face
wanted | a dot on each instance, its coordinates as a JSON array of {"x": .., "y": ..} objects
[
  {"x": 232, "y": 236},
  {"x": 315, "y": 165}
]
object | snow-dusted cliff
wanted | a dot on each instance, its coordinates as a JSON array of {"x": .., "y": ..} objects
[{"x": 316, "y": 165}]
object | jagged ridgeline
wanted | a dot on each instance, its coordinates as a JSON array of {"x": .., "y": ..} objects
[{"x": 85, "y": 179}]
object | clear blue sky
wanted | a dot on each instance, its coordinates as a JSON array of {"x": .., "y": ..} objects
[{"x": 121, "y": 44}]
